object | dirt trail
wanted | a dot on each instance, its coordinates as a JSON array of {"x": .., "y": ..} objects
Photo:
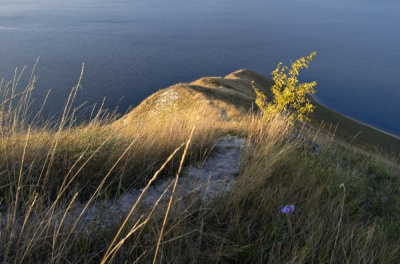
[
  {"x": 197, "y": 183},
  {"x": 202, "y": 181}
]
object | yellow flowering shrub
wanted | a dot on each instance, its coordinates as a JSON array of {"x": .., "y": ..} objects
[{"x": 289, "y": 94}]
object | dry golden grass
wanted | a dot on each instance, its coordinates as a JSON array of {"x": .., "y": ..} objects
[{"x": 346, "y": 200}]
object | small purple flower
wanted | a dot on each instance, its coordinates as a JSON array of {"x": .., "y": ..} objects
[{"x": 287, "y": 209}]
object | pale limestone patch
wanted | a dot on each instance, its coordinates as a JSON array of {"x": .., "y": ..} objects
[{"x": 164, "y": 101}]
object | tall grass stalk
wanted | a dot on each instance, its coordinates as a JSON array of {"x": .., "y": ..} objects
[
  {"x": 172, "y": 197},
  {"x": 110, "y": 251}
]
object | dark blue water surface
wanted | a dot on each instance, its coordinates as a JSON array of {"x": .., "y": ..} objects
[{"x": 132, "y": 48}]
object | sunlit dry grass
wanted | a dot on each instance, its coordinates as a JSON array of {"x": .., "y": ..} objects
[{"x": 346, "y": 201}]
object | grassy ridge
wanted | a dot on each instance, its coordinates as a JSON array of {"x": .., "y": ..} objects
[
  {"x": 346, "y": 197},
  {"x": 356, "y": 133}
]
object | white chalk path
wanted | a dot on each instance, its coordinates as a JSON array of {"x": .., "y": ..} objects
[
  {"x": 204, "y": 181},
  {"x": 200, "y": 182},
  {"x": 197, "y": 183}
]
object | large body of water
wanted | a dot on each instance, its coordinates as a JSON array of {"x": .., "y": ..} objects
[{"x": 132, "y": 48}]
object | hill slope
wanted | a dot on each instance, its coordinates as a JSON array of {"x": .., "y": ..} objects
[
  {"x": 295, "y": 193},
  {"x": 234, "y": 93}
]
